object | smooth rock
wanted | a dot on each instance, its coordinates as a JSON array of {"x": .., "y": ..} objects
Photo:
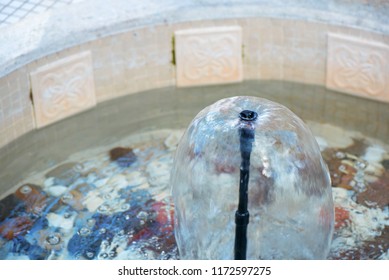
[
  {"x": 35, "y": 200},
  {"x": 8, "y": 205},
  {"x": 159, "y": 171},
  {"x": 124, "y": 157},
  {"x": 57, "y": 191},
  {"x": 49, "y": 182},
  {"x": 50, "y": 240},
  {"x": 135, "y": 178},
  {"x": 73, "y": 199},
  {"x": 65, "y": 174},
  {"x": 118, "y": 182},
  {"x": 59, "y": 221},
  {"x": 92, "y": 202},
  {"x": 14, "y": 227},
  {"x": 376, "y": 193}
]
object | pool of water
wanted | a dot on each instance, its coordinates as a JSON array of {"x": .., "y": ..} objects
[{"x": 113, "y": 201}]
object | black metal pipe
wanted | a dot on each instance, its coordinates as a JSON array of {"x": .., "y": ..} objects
[{"x": 246, "y": 137}]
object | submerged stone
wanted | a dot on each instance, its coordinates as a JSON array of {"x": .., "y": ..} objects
[
  {"x": 86, "y": 246},
  {"x": 51, "y": 240},
  {"x": 34, "y": 199},
  {"x": 56, "y": 191},
  {"x": 74, "y": 199},
  {"x": 376, "y": 193},
  {"x": 9, "y": 205},
  {"x": 342, "y": 217},
  {"x": 371, "y": 249},
  {"x": 14, "y": 227},
  {"x": 65, "y": 174},
  {"x": 124, "y": 157},
  {"x": 21, "y": 245},
  {"x": 61, "y": 221}
]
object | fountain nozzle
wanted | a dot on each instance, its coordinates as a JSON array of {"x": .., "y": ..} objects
[
  {"x": 246, "y": 134},
  {"x": 247, "y": 115}
]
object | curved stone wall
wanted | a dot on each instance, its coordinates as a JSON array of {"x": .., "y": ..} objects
[{"x": 129, "y": 47}]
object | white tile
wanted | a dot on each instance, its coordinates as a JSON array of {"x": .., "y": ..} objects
[
  {"x": 358, "y": 67},
  {"x": 208, "y": 56},
  {"x": 63, "y": 88}
]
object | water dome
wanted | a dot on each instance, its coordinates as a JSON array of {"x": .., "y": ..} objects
[{"x": 290, "y": 205}]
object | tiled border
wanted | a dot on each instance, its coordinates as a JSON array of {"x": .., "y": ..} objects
[
  {"x": 357, "y": 66},
  {"x": 63, "y": 88},
  {"x": 206, "y": 56},
  {"x": 142, "y": 59}
]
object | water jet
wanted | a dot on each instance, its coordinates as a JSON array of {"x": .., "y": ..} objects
[{"x": 262, "y": 153}]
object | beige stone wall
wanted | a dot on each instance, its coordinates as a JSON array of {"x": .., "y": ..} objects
[{"x": 141, "y": 59}]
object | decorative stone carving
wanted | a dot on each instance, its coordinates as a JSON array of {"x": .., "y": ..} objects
[
  {"x": 208, "y": 56},
  {"x": 63, "y": 88},
  {"x": 358, "y": 67}
]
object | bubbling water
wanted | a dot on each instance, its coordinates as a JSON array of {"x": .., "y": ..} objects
[{"x": 289, "y": 191}]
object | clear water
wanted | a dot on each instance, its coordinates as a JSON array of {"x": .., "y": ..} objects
[
  {"x": 92, "y": 207},
  {"x": 289, "y": 191}
]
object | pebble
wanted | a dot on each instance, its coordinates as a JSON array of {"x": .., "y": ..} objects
[
  {"x": 101, "y": 182},
  {"x": 73, "y": 199},
  {"x": 57, "y": 191},
  {"x": 158, "y": 171},
  {"x": 65, "y": 174},
  {"x": 124, "y": 157},
  {"x": 7, "y": 205},
  {"x": 374, "y": 154},
  {"x": 376, "y": 194},
  {"x": 34, "y": 199},
  {"x": 60, "y": 221},
  {"x": 92, "y": 202},
  {"x": 135, "y": 178},
  {"x": 48, "y": 182},
  {"x": 118, "y": 182},
  {"x": 14, "y": 227},
  {"x": 50, "y": 240}
]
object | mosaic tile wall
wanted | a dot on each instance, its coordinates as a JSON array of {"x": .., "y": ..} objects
[{"x": 142, "y": 59}]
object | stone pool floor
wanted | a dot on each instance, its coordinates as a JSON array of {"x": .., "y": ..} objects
[{"x": 113, "y": 202}]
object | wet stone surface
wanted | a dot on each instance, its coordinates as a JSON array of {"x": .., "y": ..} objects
[{"x": 114, "y": 203}]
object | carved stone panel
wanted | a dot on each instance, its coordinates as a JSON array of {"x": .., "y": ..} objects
[
  {"x": 208, "y": 56},
  {"x": 358, "y": 67},
  {"x": 63, "y": 88}
]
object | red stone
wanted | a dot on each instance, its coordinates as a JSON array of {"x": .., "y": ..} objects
[
  {"x": 123, "y": 156},
  {"x": 342, "y": 216},
  {"x": 164, "y": 217},
  {"x": 35, "y": 200},
  {"x": 377, "y": 193},
  {"x": 13, "y": 227}
]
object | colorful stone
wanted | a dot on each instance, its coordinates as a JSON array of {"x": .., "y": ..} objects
[
  {"x": 50, "y": 240},
  {"x": 65, "y": 174},
  {"x": 34, "y": 199},
  {"x": 376, "y": 193},
  {"x": 74, "y": 199},
  {"x": 13, "y": 227},
  {"x": 124, "y": 157},
  {"x": 342, "y": 217},
  {"x": 9, "y": 205}
]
